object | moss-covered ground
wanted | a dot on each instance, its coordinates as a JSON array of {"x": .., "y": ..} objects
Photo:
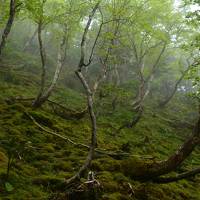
[{"x": 42, "y": 162}]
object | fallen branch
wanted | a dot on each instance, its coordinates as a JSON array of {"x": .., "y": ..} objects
[
  {"x": 54, "y": 133},
  {"x": 66, "y": 111},
  {"x": 131, "y": 190},
  {"x": 100, "y": 151}
]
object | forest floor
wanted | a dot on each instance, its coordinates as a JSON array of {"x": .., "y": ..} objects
[{"x": 41, "y": 162}]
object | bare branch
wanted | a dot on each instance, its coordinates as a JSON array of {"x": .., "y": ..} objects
[
  {"x": 96, "y": 39},
  {"x": 100, "y": 151},
  {"x": 82, "y": 60},
  {"x": 154, "y": 68}
]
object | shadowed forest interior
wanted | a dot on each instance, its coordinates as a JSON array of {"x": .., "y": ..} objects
[{"x": 99, "y": 99}]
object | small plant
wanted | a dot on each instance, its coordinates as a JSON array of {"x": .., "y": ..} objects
[{"x": 15, "y": 150}]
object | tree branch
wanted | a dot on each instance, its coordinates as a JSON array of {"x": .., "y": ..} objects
[
  {"x": 100, "y": 151},
  {"x": 82, "y": 60}
]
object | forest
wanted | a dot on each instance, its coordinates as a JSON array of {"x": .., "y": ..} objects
[{"x": 99, "y": 99}]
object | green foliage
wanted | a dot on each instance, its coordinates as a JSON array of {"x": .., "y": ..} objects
[
  {"x": 43, "y": 161},
  {"x": 9, "y": 187}
]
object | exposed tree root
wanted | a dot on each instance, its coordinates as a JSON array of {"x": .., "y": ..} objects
[
  {"x": 148, "y": 171},
  {"x": 178, "y": 177},
  {"x": 151, "y": 169}
]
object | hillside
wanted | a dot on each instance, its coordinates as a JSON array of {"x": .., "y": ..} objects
[
  {"x": 41, "y": 162},
  {"x": 99, "y": 100}
]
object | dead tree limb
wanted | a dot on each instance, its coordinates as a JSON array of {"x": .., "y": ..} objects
[
  {"x": 54, "y": 133},
  {"x": 99, "y": 151}
]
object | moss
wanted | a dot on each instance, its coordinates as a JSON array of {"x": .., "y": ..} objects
[
  {"x": 50, "y": 181},
  {"x": 135, "y": 167},
  {"x": 96, "y": 166},
  {"x": 120, "y": 178},
  {"x": 115, "y": 196},
  {"x": 63, "y": 166},
  {"x": 106, "y": 164},
  {"x": 49, "y": 160},
  {"x": 49, "y": 148},
  {"x": 17, "y": 107},
  {"x": 3, "y": 159},
  {"x": 42, "y": 118},
  {"x": 110, "y": 186}
]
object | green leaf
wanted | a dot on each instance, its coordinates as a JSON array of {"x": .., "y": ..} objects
[{"x": 9, "y": 187}]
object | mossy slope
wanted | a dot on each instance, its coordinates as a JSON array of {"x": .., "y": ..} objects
[{"x": 42, "y": 162}]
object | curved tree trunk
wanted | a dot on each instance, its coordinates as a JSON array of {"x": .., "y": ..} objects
[
  {"x": 155, "y": 169},
  {"x": 89, "y": 99},
  {"x": 94, "y": 129},
  {"x": 168, "y": 99},
  {"x": 8, "y": 25},
  {"x": 144, "y": 86},
  {"x": 42, "y": 98},
  {"x": 37, "y": 102},
  {"x": 30, "y": 40},
  {"x": 134, "y": 121}
]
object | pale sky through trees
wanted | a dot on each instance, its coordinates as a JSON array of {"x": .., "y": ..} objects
[{"x": 177, "y": 3}]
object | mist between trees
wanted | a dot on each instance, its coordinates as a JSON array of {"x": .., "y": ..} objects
[{"x": 135, "y": 55}]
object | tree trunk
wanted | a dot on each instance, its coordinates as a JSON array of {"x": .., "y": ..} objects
[
  {"x": 135, "y": 120},
  {"x": 38, "y": 101},
  {"x": 8, "y": 25},
  {"x": 168, "y": 99},
  {"x": 144, "y": 87},
  {"x": 30, "y": 40},
  {"x": 140, "y": 96},
  {"x": 89, "y": 99},
  {"x": 60, "y": 62},
  {"x": 94, "y": 129},
  {"x": 152, "y": 170}
]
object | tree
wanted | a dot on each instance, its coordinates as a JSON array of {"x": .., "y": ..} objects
[
  {"x": 39, "y": 13},
  {"x": 89, "y": 95},
  {"x": 155, "y": 170},
  {"x": 147, "y": 43},
  {"x": 13, "y": 9},
  {"x": 170, "y": 96}
]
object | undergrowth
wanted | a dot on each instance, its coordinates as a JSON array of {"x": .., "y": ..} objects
[{"x": 42, "y": 162}]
